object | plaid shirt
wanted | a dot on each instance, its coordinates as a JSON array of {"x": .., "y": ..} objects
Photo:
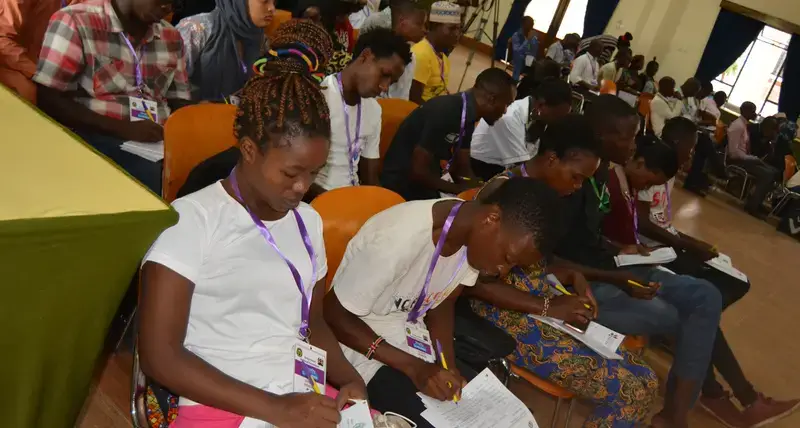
[{"x": 84, "y": 52}]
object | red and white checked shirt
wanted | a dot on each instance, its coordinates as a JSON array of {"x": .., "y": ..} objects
[{"x": 84, "y": 52}]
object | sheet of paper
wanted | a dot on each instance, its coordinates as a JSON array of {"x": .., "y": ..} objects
[
  {"x": 628, "y": 98},
  {"x": 153, "y": 152},
  {"x": 723, "y": 264},
  {"x": 656, "y": 257},
  {"x": 356, "y": 416},
  {"x": 485, "y": 402},
  {"x": 598, "y": 340}
]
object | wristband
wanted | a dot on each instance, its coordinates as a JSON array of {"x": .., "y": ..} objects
[{"x": 374, "y": 347}]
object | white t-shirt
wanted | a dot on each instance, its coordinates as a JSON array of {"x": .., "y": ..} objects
[
  {"x": 383, "y": 272},
  {"x": 662, "y": 109},
  {"x": 709, "y": 106},
  {"x": 504, "y": 143},
  {"x": 610, "y": 72},
  {"x": 402, "y": 88},
  {"x": 357, "y": 19},
  {"x": 245, "y": 311},
  {"x": 690, "y": 109},
  {"x": 660, "y": 213},
  {"x": 584, "y": 69},
  {"x": 336, "y": 172}
]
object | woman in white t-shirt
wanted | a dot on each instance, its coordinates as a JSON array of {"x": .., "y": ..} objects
[
  {"x": 232, "y": 293},
  {"x": 394, "y": 293}
]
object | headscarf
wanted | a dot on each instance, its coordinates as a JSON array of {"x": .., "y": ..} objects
[{"x": 221, "y": 71}]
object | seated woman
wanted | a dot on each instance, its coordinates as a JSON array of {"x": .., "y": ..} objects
[
  {"x": 629, "y": 80},
  {"x": 404, "y": 270},
  {"x": 233, "y": 292},
  {"x": 329, "y": 14},
  {"x": 222, "y": 45},
  {"x": 622, "y": 390}
]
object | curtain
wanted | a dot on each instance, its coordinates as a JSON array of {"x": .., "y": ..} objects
[
  {"x": 731, "y": 35},
  {"x": 789, "y": 101},
  {"x": 512, "y": 25},
  {"x": 598, "y": 14}
]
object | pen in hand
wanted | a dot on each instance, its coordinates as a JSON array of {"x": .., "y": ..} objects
[{"x": 444, "y": 366}]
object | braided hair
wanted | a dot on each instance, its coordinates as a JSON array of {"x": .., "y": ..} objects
[{"x": 284, "y": 97}]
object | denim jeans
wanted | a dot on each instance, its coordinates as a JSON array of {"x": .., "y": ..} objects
[
  {"x": 147, "y": 172},
  {"x": 685, "y": 307}
]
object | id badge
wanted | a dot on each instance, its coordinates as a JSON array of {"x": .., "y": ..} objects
[
  {"x": 139, "y": 107},
  {"x": 529, "y": 60},
  {"x": 310, "y": 362},
  {"x": 419, "y": 342},
  {"x": 234, "y": 100}
]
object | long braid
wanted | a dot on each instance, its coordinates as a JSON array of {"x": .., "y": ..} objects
[{"x": 284, "y": 97}]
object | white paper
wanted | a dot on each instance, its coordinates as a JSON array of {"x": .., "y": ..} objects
[
  {"x": 356, "y": 416},
  {"x": 485, "y": 402},
  {"x": 723, "y": 263},
  {"x": 153, "y": 152},
  {"x": 529, "y": 60},
  {"x": 656, "y": 257},
  {"x": 598, "y": 338},
  {"x": 628, "y": 98}
]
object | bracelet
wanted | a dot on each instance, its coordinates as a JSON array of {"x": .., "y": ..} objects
[
  {"x": 546, "y": 306},
  {"x": 374, "y": 347}
]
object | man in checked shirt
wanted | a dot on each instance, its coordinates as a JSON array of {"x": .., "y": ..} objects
[{"x": 112, "y": 70}]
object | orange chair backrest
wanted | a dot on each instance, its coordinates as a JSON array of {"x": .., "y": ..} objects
[
  {"x": 790, "y": 167},
  {"x": 279, "y": 18},
  {"x": 192, "y": 135},
  {"x": 394, "y": 112},
  {"x": 344, "y": 211},
  {"x": 608, "y": 87},
  {"x": 720, "y": 132},
  {"x": 470, "y": 194},
  {"x": 644, "y": 103}
]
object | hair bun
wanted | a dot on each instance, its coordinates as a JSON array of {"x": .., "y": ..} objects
[{"x": 299, "y": 46}]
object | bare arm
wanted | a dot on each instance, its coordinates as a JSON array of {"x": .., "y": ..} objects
[
  {"x": 63, "y": 108},
  {"x": 420, "y": 173},
  {"x": 440, "y": 322},
  {"x": 415, "y": 93},
  {"x": 12, "y": 54},
  {"x": 368, "y": 171},
  {"x": 504, "y": 296}
]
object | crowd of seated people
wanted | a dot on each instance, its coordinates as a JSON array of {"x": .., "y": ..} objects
[{"x": 237, "y": 287}]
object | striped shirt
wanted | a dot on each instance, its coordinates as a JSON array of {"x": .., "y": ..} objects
[{"x": 609, "y": 46}]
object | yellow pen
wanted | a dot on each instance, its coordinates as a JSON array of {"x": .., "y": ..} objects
[
  {"x": 444, "y": 366},
  {"x": 314, "y": 384},
  {"x": 149, "y": 115},
  {"x": 564, "y": 291},
  {"x": 636, "y": 284}
]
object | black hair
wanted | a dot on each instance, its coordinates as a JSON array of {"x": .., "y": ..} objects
[
  {"x": 624, "y": 40},
  {"x": 533, "y": 206},
  {"x": 720, "y": 95},
  {"x": 527, "y": 18},
  {"x": 383, "y": 43},
  {"x": 658, "y": 156},
  {"x": 569, "y": 136},
  {"x": 651, "y": 66},
  {"x": 771, "y": 121},
  {"x": 665, "y": 80},
  {"x": 606, "y": 110},
  {"x": 401, "y": 8},
  {"x": 706, "y": 85},
  {"x": 677, "y": 128},
  {"x": 554, "y": 92},
  {"x": 495, "y": 81},
  {"x": 748, "y": 104}
]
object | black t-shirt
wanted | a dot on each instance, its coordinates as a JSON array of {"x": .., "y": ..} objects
[
  {"x": 210, "y": 171},
  {"x": 434, "y": 126},
  {"x": 584, "y": 242}
]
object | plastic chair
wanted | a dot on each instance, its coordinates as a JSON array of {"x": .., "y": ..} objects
[
  {"x": 394, "y": 112},
  {"x": 720, "y": 132},
  {"x": 736, "y": 170},
  {"x": 280, "y": 17},
  {"x": 192, "y": 135},
  {"x": 608, "y": 87},
  {"x": 551, "y": 389},
  {"x": 644, "y": 104},
  {"x": 790, "y": 167},
  {"x": 344, "y": 211},
  {"x": 578, "y": 100},
  {"x": 470, "y": 194}
]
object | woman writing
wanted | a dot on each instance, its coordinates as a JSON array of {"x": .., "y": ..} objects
[
  {"x": 222, "y": 45},
  {"x": 232, "y": 294}
]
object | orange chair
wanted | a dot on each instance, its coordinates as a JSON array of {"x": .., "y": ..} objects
[
  {"x": 394, "y": 111},
  {"x": 280, "y": 17},
  {"x": 344, "y": 211},
  {"x": 608, "y": 87},
  {"x": 790, "y": 167},
  {"x": 192, "y": 135},
  {"x": 720, "y": 132},
  {"x": 548, "y": 388},
  {"x": 470, "y": 194}
]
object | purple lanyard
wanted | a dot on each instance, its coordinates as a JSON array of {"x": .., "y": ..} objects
[
  {"x": 417, "y": 311},
  {"x": 137, "y": 64},
  {"x": 460, "y": 132},
  {"x": 441, "y": 65},
  {"x": 353, "y": 146},
  {"x": 524, "y": 171},
  {"x": 635, "y": 213},
  {"x": 669, "y": 202},
  {"x": 306, "y": 305}
]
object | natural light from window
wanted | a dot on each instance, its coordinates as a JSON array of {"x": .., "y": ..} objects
[
  {"x": 757, "y": 75},
  {"x": 543, "y": 11}
]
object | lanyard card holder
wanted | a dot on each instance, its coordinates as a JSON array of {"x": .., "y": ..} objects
[{"x": 310, "y": 368}]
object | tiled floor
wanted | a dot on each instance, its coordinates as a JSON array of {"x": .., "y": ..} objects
[{"x": 759, "y": 328}]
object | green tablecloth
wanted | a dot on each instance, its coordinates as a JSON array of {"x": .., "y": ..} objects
[{"x": 73, "y": 228}]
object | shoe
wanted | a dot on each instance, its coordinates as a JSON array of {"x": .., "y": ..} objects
[
  {"x": 723, "y": 409},
  {"x": 766, "y": 410}
]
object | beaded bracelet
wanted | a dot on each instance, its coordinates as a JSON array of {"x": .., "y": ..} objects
[
  {"x": 374, "y": 347},
  {"x": 546, "y": 306}
]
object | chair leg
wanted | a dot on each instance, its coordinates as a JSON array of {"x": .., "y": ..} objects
[
  {"x": 744, "y": 188},
  {"x": 779, "y": 205},
  {"x": 569, "y": 412},
  {"x": 555, "y": 413}
]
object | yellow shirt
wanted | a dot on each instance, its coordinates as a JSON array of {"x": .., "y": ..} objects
[{"x": 431, "y": 69}]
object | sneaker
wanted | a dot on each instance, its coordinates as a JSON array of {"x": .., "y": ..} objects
[
  {"x": 766, "y": 410},
  {"x": 724, "y": 410}
]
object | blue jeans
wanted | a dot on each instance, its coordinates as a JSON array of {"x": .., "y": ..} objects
[
  {"x": 147, "y": 172},
  {"x": 685, "y": 307}
]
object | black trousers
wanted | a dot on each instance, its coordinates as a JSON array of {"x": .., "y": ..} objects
[
  {"x": 722, "y": 357},
  {"x": 765, "y": 178},
  {"x": 704, "y": 154},
  {"x": 392, "y": 391},
  {"x": 485, "y": 171}
]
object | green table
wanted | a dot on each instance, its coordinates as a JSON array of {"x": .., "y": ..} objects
[{"x": 73, "y": 228}]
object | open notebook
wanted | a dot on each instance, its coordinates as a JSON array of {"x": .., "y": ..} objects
[{"x": 657, "y": 257}]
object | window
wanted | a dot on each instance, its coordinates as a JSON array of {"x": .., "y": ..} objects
[
  {"x": 543, "y": 11},
  {"x": 757, "y": 75}
]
